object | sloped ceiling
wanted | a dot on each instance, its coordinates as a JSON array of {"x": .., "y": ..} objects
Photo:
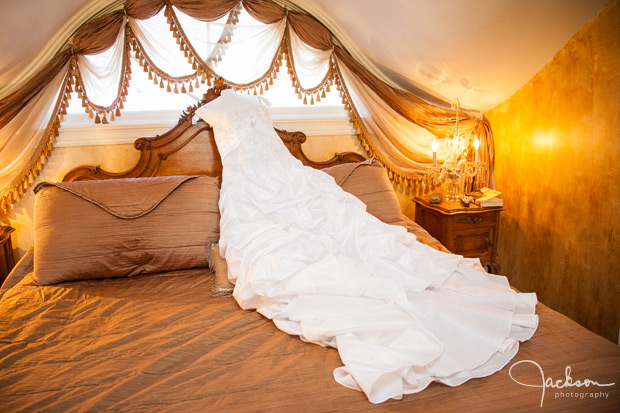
[{"x": 480, "y": 51}]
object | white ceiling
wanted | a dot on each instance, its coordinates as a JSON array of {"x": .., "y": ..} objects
[{"x": 481, "y": 51}]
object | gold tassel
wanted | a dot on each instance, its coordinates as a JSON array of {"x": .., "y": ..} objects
[
  {"x": 112, "y": 118},
  {"x": 197, "y": 84},
  {"x": 323, "y": 93},
  {"x": 97, "y": 118},
  {"x": 191, "y": 88},
  {"x": 104, "y": 120},
  {"x": 176, "y": 89},
  {"x": 150, "y": 75},
  {"x": 311, "y": 100},
  {"x": 146, "y": 69},
  {"x": 183, "y": 90},
  {"x": 305, "y": 100},
  {"x": 195, "y": 66},
  {"x": 209, "y": 81},
  {"x": 117, "y": 112}
]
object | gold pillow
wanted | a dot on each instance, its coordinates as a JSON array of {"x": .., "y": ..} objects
[
  {"x": 123, "y": 227},
  {"x": 369, "y": 182}
]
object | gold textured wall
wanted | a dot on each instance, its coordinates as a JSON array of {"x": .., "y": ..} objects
[{"x": 558, "y": 165}]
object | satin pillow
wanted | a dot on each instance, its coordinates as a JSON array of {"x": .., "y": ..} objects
[
  {"x": 369, "y": 182},
  {"x": 124, "y": 227}
]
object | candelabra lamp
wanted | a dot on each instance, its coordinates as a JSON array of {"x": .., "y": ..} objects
[{"x": 458, "y": 168}]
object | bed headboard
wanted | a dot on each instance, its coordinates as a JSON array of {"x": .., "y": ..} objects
[{"x": 190, "y": 149}]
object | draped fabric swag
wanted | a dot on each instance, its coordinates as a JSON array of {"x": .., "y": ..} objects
[{"x": 247, "y": 45}]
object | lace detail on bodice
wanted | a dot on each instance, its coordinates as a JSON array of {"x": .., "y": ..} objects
[{"x": 246, "y": 140}]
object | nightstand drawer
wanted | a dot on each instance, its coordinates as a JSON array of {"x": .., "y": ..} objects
[
  {"x": 468, "y": 221},
  {"x": 470, "y": 243}
]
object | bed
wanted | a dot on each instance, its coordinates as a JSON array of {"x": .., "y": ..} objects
[{"x": 82, "y": 330}]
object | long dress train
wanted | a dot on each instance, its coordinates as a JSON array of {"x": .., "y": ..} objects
[{"x": 307, "y": 255}]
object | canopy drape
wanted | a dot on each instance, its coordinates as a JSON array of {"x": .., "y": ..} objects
[{"x": 245, "y": 43}]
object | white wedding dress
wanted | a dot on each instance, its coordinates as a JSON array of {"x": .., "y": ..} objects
[{"x": 307, "y": 255}]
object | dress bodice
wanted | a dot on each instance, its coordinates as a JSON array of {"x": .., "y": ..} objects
[
  {"x": 236, "y": 117},
  {"x": 243, "y": 131}
]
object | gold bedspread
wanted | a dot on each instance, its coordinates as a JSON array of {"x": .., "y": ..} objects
[{"x": 164, "y": 343}]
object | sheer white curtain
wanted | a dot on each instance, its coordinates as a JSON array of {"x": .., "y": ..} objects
[
  {"x": 101, "y": 73},
  {"x": 409, "y": 151},
  {"x": 253, "y": 46},
  {"x": 19, "y": 140},
  {"x": 159, "y": 45},
  {"x": 312, "y": 65}
]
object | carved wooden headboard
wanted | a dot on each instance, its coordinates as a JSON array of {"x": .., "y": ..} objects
[{"x": 190, "y": 149}]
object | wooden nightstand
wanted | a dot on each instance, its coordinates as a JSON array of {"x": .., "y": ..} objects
[
  {"x": 471, "y": 232},
  {"x": 7, "y": 261}
]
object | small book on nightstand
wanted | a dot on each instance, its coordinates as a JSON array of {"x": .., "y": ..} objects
[{"x": 487, "y": 198}]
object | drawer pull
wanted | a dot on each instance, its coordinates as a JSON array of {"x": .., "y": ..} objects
[
  {"x": 491, "y": 243},
  {"x": 470, "y": 220}
]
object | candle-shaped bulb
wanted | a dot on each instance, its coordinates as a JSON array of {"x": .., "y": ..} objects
[
  {"x": 434, "y": 146},
  {"x": 476, "y": 146}
]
